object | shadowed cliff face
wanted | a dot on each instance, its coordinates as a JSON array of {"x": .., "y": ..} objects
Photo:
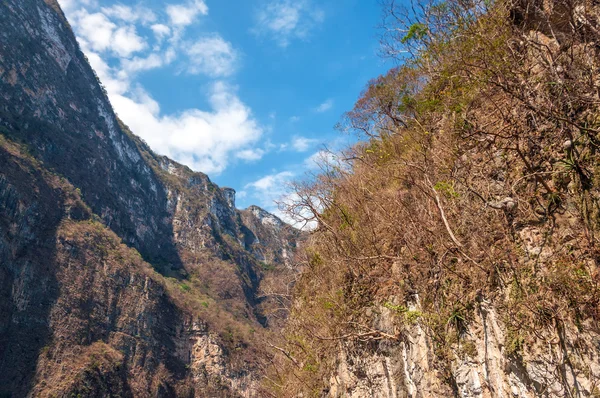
[
  {"x": 122, "y": 273},
  {"x": 74, "y": 297},
  {"x": 28, "y": 224},
  {"x": 52, "y": 101}
]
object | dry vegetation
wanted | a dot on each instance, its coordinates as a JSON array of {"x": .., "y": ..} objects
[
  {"x": 477, "y": 181},
  {"x": 107, "y": 292}
]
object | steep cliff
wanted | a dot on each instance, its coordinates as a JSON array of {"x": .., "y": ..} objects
[
  {"x": 457, "y": 247},
  {"x": 122, "y": 273}
]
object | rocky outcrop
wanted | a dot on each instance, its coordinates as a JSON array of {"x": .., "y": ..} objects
[
  {"x": 484, "y": 365},
  {"x": 268, "y": 238},
  {"x": 229, "y": 194},
  {"x": 82, "y": 313}
]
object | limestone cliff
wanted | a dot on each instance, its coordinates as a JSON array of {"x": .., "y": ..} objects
[{"x": 122, "y": 273}]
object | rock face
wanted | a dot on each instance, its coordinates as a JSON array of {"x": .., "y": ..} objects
[
  {"x": 272, "y": 241},
  {"x": 484, "y": 366},
  {"x": 122, "y": 273},
  {"x": 229, "y": 194},
  {"x": 52, "y": 101}
]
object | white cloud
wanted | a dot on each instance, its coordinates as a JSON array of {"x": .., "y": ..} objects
[
  {"x": 130, "y": 14},
  {"x": 160, "y": 31},
  {"x": 112, "y": 80},
  {"x": 184, "y": 14},
  {"x": 67, "y": 5},
  {"x": 207, "y": 140},
  {"x": 125, "y": 41},
  {"x": 295, "y": 119},
  {"x": 325, "y": 106},
  {"x": 321, "y": 158},
  {"x": 269, "y": 190},
  {"x": 212, "y": 56},
  {"x": 301, "y": 217},
  {"x": 302, "y": 144},
  {"x": 96, "y": 30},
  {"x": 273, "y": 183},
  {"x": 152, "y": 61},
  {"x": 274, "y": 190},
  {"x": 250, "y": 155},
  {"x": 284, "y": 21},
  {"x": 70, "y": 5},
  {"x": 203, "y": 140}
]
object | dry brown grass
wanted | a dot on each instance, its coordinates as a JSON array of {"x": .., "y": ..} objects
[{"x": 477, "y": 182}]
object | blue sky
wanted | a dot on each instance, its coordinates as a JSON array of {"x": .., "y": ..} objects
[{"x": 247, "y": 92}]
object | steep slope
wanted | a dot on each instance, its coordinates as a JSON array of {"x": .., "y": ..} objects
[
  {"x": 271, "y": 240},
  {"x": 457, "y": 250},
  {"x": 122, "y": 273},
  {"x": 53, "y": 102}
]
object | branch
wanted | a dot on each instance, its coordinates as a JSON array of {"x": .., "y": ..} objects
[
  {"x": 287, "y": 354},
  {"x": 373, "y": 335},
  {"x": 443, "y": 215}
]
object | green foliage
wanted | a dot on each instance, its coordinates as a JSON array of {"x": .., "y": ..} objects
[
  {"x": 457, "y": 319},
  {"x": 514, "y": 342},
  {"x": 446, "y": 188},
  {"x": 469, "y": 349},
  {"x": 185, "y": 287},
  {"x": 310, "y": 367},
  {"x": 378, "y": 151},
  {"x": 415, "y": 32},
  {"x": 328, "y": 304},
  {"x": 348, "y": 219},
  {"x": 266, "y": 267},
  {"x": 409, "y": 316},
  {"x": 315, "y": 259}
]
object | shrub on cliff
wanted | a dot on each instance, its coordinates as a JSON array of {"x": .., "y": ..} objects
[{"x": 476, "y": 183}]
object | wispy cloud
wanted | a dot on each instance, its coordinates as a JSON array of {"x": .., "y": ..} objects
[
  {"x": 212, "y": 56},
  {"x": 130, "y": 14},
  {"x": 274, "y": 192},
  {"x": 303, "y": 144},
  {"x": 273, "y": 183},
  {"x": 325, "y": 106},
  {"x": 125, "y": 41},
  {"x": 276, "y": 188},
  {"x": 321, "y": 158},
  {"x": 270, "y": 189},
  {"x": 184, "y": 14},
  {"x": 161, "y": 31},
  {"x": 152, "y": 61},
  {"x": 251, "y": 155},
  {"x": 287, "y": 20}
]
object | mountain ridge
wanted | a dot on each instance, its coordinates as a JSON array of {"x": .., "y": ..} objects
[{"x": 122, "y": 272}]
